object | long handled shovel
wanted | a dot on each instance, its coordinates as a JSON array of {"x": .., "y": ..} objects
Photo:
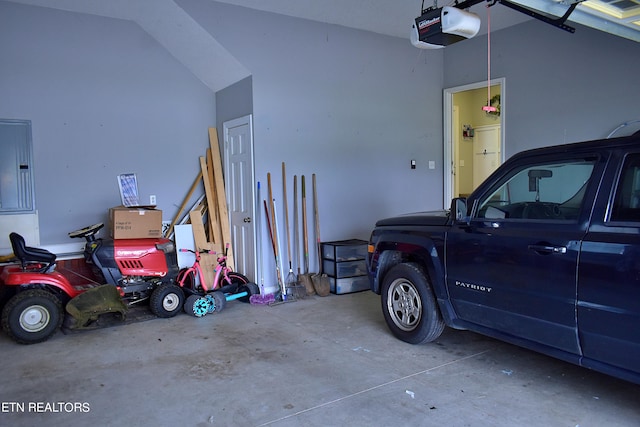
[
  {"x": 306, "y": 277},
  {"x": 301, "y": 289}
]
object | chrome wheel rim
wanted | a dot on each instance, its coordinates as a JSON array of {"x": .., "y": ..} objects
[{"x": 404, "y": 304}]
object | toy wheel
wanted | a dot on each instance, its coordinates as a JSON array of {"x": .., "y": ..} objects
[
  {"x": 32, "y": 316},
  {"x": 196, "y": 305},
  {"x": 166, "y": 300},
  {"x": 219, "y": 301},
  {"x": 250, "y": 289}
]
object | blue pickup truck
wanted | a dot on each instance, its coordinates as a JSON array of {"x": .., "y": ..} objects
[{"x": 544, "y": 254}]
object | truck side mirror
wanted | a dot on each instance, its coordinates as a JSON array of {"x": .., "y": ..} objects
[{"x": 459, "y": 209}]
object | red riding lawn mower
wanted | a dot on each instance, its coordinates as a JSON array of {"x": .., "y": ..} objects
[{"x": 35, "y": 295}]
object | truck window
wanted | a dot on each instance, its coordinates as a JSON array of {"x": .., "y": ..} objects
[
  {"x": 548, "y": 191},
  {"x": 626, "y": 206}
]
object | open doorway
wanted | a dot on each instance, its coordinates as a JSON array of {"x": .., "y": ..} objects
[{"x": 473, "y": 138}]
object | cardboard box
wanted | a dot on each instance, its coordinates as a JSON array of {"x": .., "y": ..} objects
[{"x": 135, "y": 223}]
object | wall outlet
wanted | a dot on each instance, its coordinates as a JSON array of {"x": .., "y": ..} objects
[{"x": 152, "y": 200}]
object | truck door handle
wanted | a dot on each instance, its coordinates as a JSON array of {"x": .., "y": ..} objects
[{"x": 548, "y": 249}]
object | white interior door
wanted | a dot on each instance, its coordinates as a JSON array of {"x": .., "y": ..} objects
[
  {"x": 238, "y": 171},
  {"x": 486, "y": 150}
]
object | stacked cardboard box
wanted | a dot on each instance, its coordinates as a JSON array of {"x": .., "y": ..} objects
[{"x": 135, "y": 222}]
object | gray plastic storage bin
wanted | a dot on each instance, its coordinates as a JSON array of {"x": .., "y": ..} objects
[{"x": 344, "y": 250}]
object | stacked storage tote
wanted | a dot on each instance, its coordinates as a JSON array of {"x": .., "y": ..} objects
[{"x": 344, "y": 262}]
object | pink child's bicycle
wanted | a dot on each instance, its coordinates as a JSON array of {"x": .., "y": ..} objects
[{"x": 228, "y": 285}]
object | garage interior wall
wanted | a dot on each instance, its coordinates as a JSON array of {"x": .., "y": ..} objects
[
  {"x": 560, "y": 87},
  {"x": 104, "y": 98},
  {"x": 233, "y": 102},
  {"x": 344, "y": 104},
  {"x": 351, "y": 106}
]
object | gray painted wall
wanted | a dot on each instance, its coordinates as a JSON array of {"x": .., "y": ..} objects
[
  {"x": 104, "y": 98},
  {"x": 560, "y": 87},
  {"x": 339, "y": 103},
  {"x": 233, "y": 102},
  {"x": 351, "y": 106}
]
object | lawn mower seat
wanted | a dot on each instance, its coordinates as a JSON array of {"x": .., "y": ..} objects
[{"x": 29, "y": 255}]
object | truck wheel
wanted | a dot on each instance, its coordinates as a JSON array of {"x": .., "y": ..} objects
[
  {"x": 166, "y": 300},
  {"x": 409, "y": 305},
  {"x": 32, "y": 316}
]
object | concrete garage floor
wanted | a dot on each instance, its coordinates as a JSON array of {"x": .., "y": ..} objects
[{"x": 315, "y": 362}]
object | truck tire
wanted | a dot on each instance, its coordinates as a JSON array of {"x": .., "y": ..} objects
[
  {"x": 32, "y": 316},
  {"x": 409, "y": 305}
]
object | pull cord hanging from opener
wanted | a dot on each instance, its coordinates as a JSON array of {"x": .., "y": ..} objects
[
  {"x": 435, "y": 6},
  {"x": 489, "y": 108}
]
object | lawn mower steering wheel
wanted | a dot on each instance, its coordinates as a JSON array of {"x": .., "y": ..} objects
[{"x": 87, "y": 231}]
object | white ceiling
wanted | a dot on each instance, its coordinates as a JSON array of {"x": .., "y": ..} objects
[{"x": 183, "y": 37}]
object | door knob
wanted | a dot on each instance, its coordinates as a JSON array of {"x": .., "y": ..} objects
[{"x": 247, "y": 219}]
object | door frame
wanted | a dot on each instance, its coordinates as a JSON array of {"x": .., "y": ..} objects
[
  {"x": 448, "y": 148},
  {"x": 226, "y": 126}
]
